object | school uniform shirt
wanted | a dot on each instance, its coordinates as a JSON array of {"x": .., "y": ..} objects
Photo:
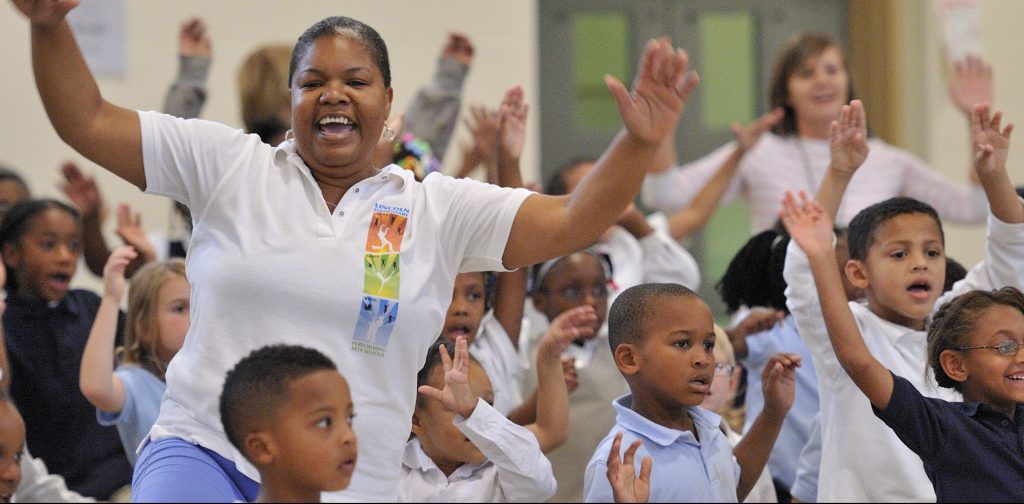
[
  {"x": 38, "y": 485},
  {"x": 45, "y": 343},
  {"x": 805, "y": 486},
  {"x": 796, "y": 429},
  {"x": 684, "y": 469},
  {"x": 599, "y": 383},
  {"x": 862, "y": 459},
  {"x": 971, "y": 452},
  {"x": 764, "y": 488},
  {"x": 504, "y": 365},
  {"x": 142, "y": 394},
  {"x": 515, "y": 470},
  {"x": 367, "y": 284},
  {"x": 778, "y": 164}
]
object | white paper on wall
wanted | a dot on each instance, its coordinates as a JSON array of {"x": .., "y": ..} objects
[
  {"x": 99, "y": 27},
  {"x": 961, "y": 27}
]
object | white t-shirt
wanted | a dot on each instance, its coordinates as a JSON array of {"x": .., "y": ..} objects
[
  {"x": 779, "y": 164},
  {"x": 368, "y": 285}
]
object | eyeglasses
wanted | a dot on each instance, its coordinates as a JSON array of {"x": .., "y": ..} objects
[
  {"x": 724, "y": 369},
  {"x": 574, "y": 292},
  {"x": 1008, "y": 348}
]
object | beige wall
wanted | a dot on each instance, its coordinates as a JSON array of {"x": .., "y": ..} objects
[
  {"x": 503, "y": 33},
  {"x": 933, "y": 128}
]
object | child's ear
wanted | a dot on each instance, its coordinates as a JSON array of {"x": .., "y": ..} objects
[
  {"x": 857, "y": 274},
  {"x": 261, "y": 448},
  {"x": 627, "y": 358},
  {"x": 417, "y": 424},
  {"x": 954, "y": 365},
  {"x": 11, "y": 255}
]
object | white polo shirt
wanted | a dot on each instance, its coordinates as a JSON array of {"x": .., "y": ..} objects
[
  {"x": 368, "y": 285},
  {"x": 862, "y": 459}
]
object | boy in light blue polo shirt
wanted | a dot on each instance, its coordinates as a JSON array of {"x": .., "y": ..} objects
[{"x": 662, "y": 338}]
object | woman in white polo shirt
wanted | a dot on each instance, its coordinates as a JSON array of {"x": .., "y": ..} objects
[{"x": 287, "y": 241}]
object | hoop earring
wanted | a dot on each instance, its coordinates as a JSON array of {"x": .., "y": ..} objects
[
  {"x": 389, "y": 134},
  {"x": 288, "y": 135}
]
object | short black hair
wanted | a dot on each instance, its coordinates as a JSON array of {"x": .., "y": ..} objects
[
  {"x": 556, "y": 185},
  {"x": 1020, "y": 191},
  {"x": 628, "y": 315},
  {"x": 258, "y": 386},
  {"x": 341, "y": 25},
  {"x": 861, "y": 233},
  {"x": 954, "y": 273}
]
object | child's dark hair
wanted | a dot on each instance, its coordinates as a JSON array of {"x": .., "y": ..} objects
[
  {"x": 7, "y": 174},
  {"x": 433, "y": 361},
  {"x": 556, "y": 185},
  {"x": 628, "y": 314},
  {"x": 861, "y": 233},
  {"x": 18, "y": 220},
  {"x": 754, "y": 276},
  {"x": 953, "y": 324},
  {"x": 258, "y": 385},
  {"x": 954, "y": 273},
  {"x": 341, "y": 25}
]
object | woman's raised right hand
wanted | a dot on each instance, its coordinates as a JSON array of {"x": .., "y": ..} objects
[
  {"x": 45, "y": 12},
  {"x": 747, "y": 137}
]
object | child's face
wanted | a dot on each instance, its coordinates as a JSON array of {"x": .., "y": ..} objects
[
  {"x": 676, "y": 362},
  {"x": 577, "y": 280},
  {"x": 12, "y": 445},
  {"x": 723, "y": 388},
  {"x": 467, "y": 308},
  {"x": 434, "y": 425},
  {"x": 172, "y": 320},
  {"x": 904, "y": 270},
  {"x": 993, "y": 378},
  {"x": 316, "y": 447},
  {"x": 46, "y": 257}
]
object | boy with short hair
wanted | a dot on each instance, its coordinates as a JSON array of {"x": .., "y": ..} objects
[
  {"x": 289, "y": 411},
  {"x": 662, "y": 337},
  {"x": 897, "y": 256}
]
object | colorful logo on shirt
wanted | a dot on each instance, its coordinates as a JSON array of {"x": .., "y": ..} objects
[
  {"x": 376, "y": 321},
  {"x": 381, "y": 279}
]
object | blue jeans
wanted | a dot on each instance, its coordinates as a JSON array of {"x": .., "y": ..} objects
[{"x": 174, "y": 470}]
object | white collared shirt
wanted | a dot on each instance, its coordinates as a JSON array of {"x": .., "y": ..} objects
[
  {"x": 684, "y": 470},
  {"x": 862, "y": 459},
  {"x": 504, "y": 365},
  {"x": 778, "y": 164},
  {"x": 367, "y": 284},
  {"x": 515, "y": 470}
]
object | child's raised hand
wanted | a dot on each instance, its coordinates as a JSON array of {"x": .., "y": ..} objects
[
  {"x": 970, "y": 84},
  {"x": 512, "y": 123},
  {"x": 778, "y": 381},
  {"x": 194, "y": 39},
  {"x": 459, "y": 48},
  {"x": 567, "y": 327},
  {"x": 129, "y": 228},
  {"x": 626, "y": 485},
  {"x": 113, "y": 271},
  {"x": 45, "y": 12},
  {"x": 457, "y": 395},
  {"x": 81, "y": 190},
  {"x": 991, "y": 146},
  {"x": 483, "y": 126},
  {"x": 848, "y": 139},
  {"x": 662, "y": 86},
  {"x": 747, "y": 137},
  {"x": 807, "y": 223}
]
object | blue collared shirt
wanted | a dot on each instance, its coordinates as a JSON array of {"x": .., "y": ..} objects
[
  {"x": 970, "y": 452},
  {"x": 684, "y": 469}
]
